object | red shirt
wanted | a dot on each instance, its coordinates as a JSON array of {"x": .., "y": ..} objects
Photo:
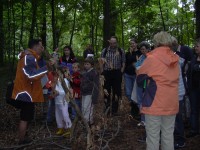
[{"x": 76, "y": 81}]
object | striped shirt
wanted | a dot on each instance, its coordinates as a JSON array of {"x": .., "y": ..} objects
[{"x": 114, "y": 58}]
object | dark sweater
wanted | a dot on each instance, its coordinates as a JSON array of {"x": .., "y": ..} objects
[
  {"x": 130, "y": 59},
  {"x": 90, "y": 84}
]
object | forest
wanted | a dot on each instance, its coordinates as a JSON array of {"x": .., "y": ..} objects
[
  {"x": 82, "y": 22},
  {"x": 78, "y": 23}
]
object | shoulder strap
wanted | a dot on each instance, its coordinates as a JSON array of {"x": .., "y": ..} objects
[{"x": 105, "y": 52}]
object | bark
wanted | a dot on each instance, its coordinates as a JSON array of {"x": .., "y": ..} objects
[
  {"x": 113, "y": 18},
  {"x": 197, "y": 12},
  {"x": 33, "y": 23},
  {"x": 106, "y": 22},
  {"x": 92, "y": 24},
  {"x": 53, "y": 23},
  {"x": 22, "y": 24},
  {"x": 122, "y": 24},
  {"x": 1, "y": 35},
  {"x": 44, "y": 25},
  {"x": 73, "y": 26},
  {"x": 161, "y": 13}
]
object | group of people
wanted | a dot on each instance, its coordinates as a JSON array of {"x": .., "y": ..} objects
[
  {"x": 156, "y": 81},
  {"x": 34, "y": 76}
]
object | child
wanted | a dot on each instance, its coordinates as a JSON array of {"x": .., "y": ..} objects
[
  {"x": 76, "y": 81},
  {"x": 61, "y": 107},
  {"x": 89, "y": 89}
]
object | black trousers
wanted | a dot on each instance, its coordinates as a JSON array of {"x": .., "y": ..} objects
[{"x": 113, "y": 81}]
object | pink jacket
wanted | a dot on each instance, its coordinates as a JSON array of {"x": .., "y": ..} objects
[{"x": 159, "y": 75}]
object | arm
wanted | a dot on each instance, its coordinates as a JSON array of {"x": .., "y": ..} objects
[
  {"x": 123, "y": 61},
  {"x": 144, "y": 71},
  {"x": 30, "y": 69}
]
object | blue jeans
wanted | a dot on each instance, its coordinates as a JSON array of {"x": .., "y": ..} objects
[
  {"x": 179, "y": 125},
  {"x": 78, "y": 102},
  {"x": 50, "y": 111},
  {"x": 129, "y": 82},
  {"x": 195, "y": 108}
]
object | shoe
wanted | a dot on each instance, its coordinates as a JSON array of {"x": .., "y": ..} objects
[
  {"x": 67, "y": 132},
  {"x": 26, "y": 141},
  {"x": 60, "y": 131},
  {"x": 179, "y": 145},
  {"x": 141, "y": 124},
  {"x": 192, "y": 134}
]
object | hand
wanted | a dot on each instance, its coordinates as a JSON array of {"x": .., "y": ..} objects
[{"x": 52, "y": 61}]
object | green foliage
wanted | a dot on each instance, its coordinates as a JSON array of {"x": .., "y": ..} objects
[{"x": 141, "y": 19}]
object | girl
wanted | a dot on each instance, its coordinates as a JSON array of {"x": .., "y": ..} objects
[{"x": 61, "y": 106}]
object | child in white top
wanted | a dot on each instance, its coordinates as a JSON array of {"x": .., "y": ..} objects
[{"x": 61, "y": 109}]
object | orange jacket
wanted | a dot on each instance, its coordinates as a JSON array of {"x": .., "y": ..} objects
[
  {"x": 27, "y": 84},
  {"x": 159, "y": 75}
]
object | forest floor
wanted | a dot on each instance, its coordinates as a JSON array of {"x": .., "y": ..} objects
[{"x": 120, "y": 132}]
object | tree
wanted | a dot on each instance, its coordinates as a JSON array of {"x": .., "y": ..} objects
[
  {"x": 106, "y": 22},
  {"x": 197, "y": 11},
  {"x": 1, "y": 35},
  {"x": 34, "y": 13}
]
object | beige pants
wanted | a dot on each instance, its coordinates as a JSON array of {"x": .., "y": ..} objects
[
  {"x": 156, "y": 125},
  {"x": 87, "y": 108}
]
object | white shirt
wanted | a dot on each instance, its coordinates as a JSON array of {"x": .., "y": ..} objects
[{"x": 60, "y": 99}]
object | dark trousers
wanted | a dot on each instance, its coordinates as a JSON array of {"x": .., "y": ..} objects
[
  {"x": 113, "y": 80},
  {"x": 195, "y": 109},
  {"x": 179, "y": 125}
]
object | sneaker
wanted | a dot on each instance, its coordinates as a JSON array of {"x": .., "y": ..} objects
[
  {"x": 141, "y": 124},
  {"x": 67, "y": 132},
  {"x": 60, "y": 131},
  {"x": 26, "y": 141},
  {"x": 179, "y": 145}
]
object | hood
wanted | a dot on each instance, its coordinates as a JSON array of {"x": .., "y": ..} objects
[
  {"x": 165, "y": 55},
  {"x": 28, "y": 52}
]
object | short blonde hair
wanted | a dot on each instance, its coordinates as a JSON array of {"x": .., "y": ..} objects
[
  {"x": 76, "y": 64},
  {"x": 162, "y": 39}
]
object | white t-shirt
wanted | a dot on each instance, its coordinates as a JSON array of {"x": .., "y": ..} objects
[{"x": 60, "y": 99}]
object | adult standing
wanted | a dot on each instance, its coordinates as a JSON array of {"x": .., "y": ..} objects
[
  {"x": 185, "y": 54},
  {"x": 130, "y": 74},
  {"x": 114, "y": 64},
  {"x": 68, "y": 58},
  {"x": 194, "y": 90},
  {"x": 27, "y": 85},
  {"x": 159, "y": 75},
  {"x": 88, "y": 52}
]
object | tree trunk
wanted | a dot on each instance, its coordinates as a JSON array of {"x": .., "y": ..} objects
[
  {"x": 113, "y": 18},
  {"x": 197, "y": 12},
  {"x": 22, "y": 25},
  {"x": 96, "y": 45},
  {"x": 161, "y": 13},
  {"x": 73, "y": 27},
  {"x": 122, "y": 24},
  {"x": 53, "y": 23},
  {"x": 8, "y": 44},
  {"x": 92, "y": 24},
  {"x": 34, "y": 11},
  {"x": 1, "y": 36},
  {"x": 44, "y": 25},
  {"x": 13, "y": 42},
  {"x": 106, "y": 22}
]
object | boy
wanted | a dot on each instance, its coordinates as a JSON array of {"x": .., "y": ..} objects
[
  {"x": 89, "y": 89},
  {"x": 75, "y": 82}
]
